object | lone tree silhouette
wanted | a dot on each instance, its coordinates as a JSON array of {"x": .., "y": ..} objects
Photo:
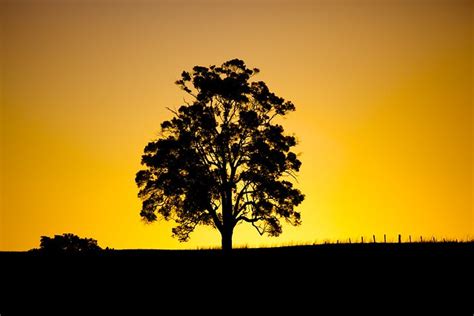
[{"x": 222, "y": 159}]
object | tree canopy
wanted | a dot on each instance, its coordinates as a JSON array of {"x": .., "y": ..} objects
[{"x": 222, "y": 159}]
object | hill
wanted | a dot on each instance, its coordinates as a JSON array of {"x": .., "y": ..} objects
[{"x": 424, "y": 274}]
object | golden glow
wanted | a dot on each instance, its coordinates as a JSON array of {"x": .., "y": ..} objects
[{"x": 383, "y": 91}]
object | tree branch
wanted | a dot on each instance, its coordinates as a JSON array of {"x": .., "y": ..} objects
[
  {"x": 261, "y": 232},
  {"x": 249, "y": 220},
  {"x": 172, "y": 111},
  {"x": 239, "y": 197},
  {"x": 215, "y": 218}
]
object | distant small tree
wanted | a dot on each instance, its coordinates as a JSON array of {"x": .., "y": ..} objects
[
  {"x": 68, "y": 243},
  {"x": 222, "y": 159}
]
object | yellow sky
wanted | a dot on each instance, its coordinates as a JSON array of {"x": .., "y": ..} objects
[{"x": 383, "y": 91}]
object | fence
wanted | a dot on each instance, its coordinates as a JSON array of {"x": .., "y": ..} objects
[{"x": 399, "y": 240}]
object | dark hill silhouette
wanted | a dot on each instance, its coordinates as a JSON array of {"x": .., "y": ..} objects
[{"x": 397, "y": 276}]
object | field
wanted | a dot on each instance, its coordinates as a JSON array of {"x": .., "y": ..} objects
[{"x": 426, "y": 275}]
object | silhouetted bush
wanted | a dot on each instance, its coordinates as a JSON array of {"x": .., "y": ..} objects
[{"x": 68, "y": 243}]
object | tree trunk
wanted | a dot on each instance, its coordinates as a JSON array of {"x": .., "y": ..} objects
[
  {"x": 227, "y": 239},
  {"x": 227, "y": 220}
]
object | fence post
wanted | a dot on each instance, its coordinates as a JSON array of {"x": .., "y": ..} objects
[
  {"x": 374, "y": 238},
  {"x": 362, "y": 239},
  {"x": 409, "y": 237},
  {"x": 349, "y": 240},
  {"x": 399, "y": 238},
  {"x": 421, "y": 238},
  {"x": 384, "y": 238}
]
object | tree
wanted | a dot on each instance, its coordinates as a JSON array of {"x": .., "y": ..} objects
[
  {"x": 222, "y": 159},
  {"x": 68, "y": 243}
]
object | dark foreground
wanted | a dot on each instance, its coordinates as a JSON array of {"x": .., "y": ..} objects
[{"x": 424, "y": 276}]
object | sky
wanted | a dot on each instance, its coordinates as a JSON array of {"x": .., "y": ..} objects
[{"x": 383, "y": 91}]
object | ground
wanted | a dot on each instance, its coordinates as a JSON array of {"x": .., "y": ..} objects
[{"x": 426, "y": 276}]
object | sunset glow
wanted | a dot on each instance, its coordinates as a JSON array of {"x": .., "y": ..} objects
[{"x": 383, "y": 95}]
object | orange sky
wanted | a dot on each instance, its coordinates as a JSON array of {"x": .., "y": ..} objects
[{"x": 383, "y": 91}]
